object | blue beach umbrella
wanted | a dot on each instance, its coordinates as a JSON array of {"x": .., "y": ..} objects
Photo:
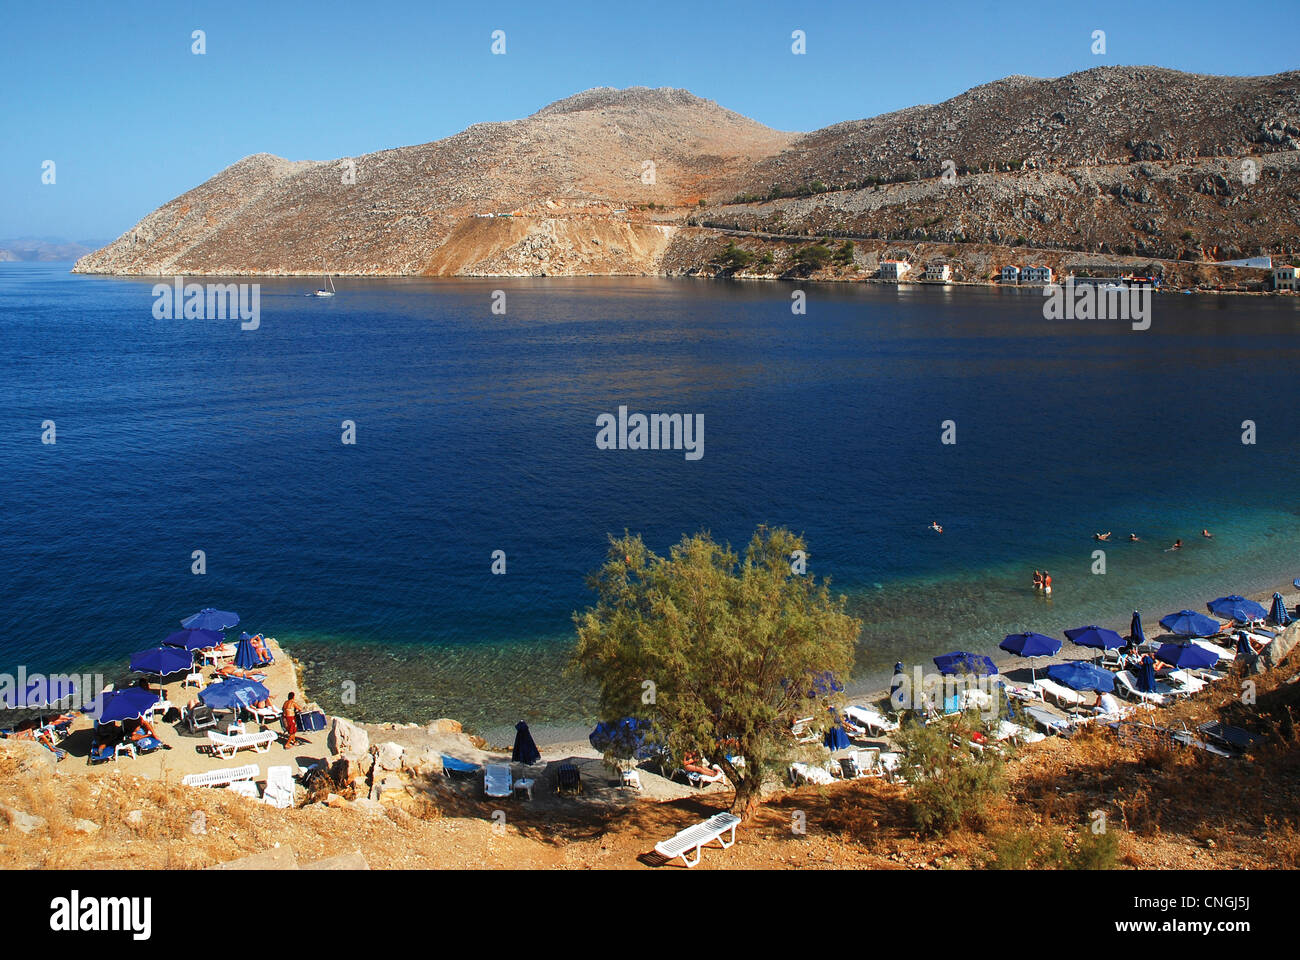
[
  {"x": 1135, "y": 632},
  {"x": 245, "y": 656},
  {"x": 525, "y": 750},
  {"x": 621, "y": 738},
  {"x": 1237, "y": 608},
  {"x": 960, "y": 661},
  {"x": 1097, "y": 637},
  {"x": 1146, "y": 676},
  {"x": 116, "y": 705},
  {"x": 1189, "y": 623},
  {"x": 1243, "y": 646},
  {"x": 1078, "y": 675},
  {"x": 194, "y": 639},
  {"x": 836, "y": 738},
  {"x": 38, "y": 693},
  {"x": 1296, "y": 583},
  {"x": 233, "y": 692},
  {"x": 1186, "y": 656},
  {"x": 160, "y": 661},
  {"x": 1277, "y": 614},
  {"x": 209, "y": 619},
  {"x": 1031, "y": 646}
]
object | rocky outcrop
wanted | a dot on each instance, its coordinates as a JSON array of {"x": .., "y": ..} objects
[{"x": 347, "y": 739}]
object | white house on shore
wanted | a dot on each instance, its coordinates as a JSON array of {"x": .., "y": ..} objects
[
  {"x": 894, "y": 269},
  {"x": 1286, "y": 278},
  {"x": 1036, "y": 273},
  {"x": 938, "y": 271},
  {"x": 1010, "y": 273}
]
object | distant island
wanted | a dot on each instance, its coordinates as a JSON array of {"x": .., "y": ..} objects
[
  {"x": 1138, "y": 169},
  {"x": 42, "y": 250}
]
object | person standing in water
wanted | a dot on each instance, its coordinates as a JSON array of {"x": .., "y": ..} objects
[
  {"x": 1047, "y": 583},
  {"x": 1038, "y": 581}
]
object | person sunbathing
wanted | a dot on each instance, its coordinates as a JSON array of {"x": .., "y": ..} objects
[
  {"x": 230, "y": 670},
  {"x": 694, "y": 763},
  {"x": 259, "y": 647}
]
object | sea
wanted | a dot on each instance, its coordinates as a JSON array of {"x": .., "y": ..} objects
[{"x": 198, "y": 463}]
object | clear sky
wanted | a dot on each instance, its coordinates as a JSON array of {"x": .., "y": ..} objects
[{"x": 112, "y": 93}]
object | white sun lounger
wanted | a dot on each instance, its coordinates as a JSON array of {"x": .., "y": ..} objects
[
  {"x": 496, "y": 780},
  {"x": 806, "y": 773},
  {"x": 1223, "y": 653},
  {"x": 1050, "y": 722},
  {"x": 1129, "y": 688},
  {"x": 802, "y": 733},
  {"x": 222, "y": 778},
  {"x": 696, "y": 837},
  {"x": 1062, "y": 695},
  {"x": 279, "y": 787},
  {"x": 227, "y": 746},
  {"x": 1185, "y": 682},
  {"x": 875, "y": 722}
]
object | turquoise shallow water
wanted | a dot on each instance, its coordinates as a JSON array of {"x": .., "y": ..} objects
[{"x": 477, "y": 432}]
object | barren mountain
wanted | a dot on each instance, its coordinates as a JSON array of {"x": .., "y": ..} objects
[
  {"x": 585, "y": 156},
  {"x": 1115, "y": 160}
]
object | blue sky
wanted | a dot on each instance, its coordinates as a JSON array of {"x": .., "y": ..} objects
[{"x": 112, "y": 93}]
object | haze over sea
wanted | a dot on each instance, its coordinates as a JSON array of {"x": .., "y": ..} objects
[{"x": 476, "y": 432}]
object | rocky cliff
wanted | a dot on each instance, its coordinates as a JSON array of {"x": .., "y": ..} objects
[{"x": 1120, "y": 160}]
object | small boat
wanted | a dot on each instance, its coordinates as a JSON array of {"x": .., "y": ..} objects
[{"x": 327, "y": 290}]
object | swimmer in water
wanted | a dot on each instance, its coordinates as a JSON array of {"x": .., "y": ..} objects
[
  {"x": 934, "y": 525},
  {"x": 1178, "y": 545},
  {"x": 1047, "y": 583},
  {"x": 1134, "y": 538},
  {"x": 1102, "y": 536},
  {"x": 1207, "y": 535},
  {"x": 1038, "y": 581}
]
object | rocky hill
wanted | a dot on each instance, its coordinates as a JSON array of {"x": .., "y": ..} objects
[{"x": 1136, "y": 161}]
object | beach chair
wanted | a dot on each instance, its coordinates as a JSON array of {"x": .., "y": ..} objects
[
  {"x": 698, "y": 836},
  {"x": 279, "y": 787},
  {"x": 200, "y": 718},
  {"x": 1224, "y": 654},
  {"x": 194, "y": 679},
  {"x": 265, "y": 716},
  {"x": 801, "y": 772},
  {"x": 497, "y": 781},
  {"x": 802, "y": 731},
  {"x": 227, "y": 746},
  {"x": 1128, "y": 689},
  {"x": 453, "y": 769},
  {"x": 696, "y": 779},
  {"x": 1049, "y": 722},
  {"x": 100, "y": 753},
  {"x": 568, "y": 779},
  {"x": 1061, "y": 695},
  {"x": 222, "y": 778},
  {"x": 875, "y": 722},
  {"x": 1185, "y": 683}
]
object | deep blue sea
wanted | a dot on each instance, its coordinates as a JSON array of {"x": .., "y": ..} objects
[{"x": 476, "y": 432}]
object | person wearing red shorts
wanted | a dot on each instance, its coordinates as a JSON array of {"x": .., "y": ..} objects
[{"x": 290, "y": 715}]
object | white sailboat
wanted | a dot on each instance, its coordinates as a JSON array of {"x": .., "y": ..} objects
[{"x": 327, "y": 290}]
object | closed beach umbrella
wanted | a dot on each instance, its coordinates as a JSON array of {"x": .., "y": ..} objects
[
  {"x": 898, "y": 688},
  {"x": 160, "y": 661},
  {"x": 1096, "y": 637},
  {"x": 1078, "y": 675},
  {"x": 836, "y": 738},
  {"x": 1146, "y": 676},
  {"x": 209, "y": 619},
  {"x": 1243, "y": 646},
  {"x": 128, "y": 704},
  {"x": 525, "y": 748},
  {"x": 245, "y": 656},
  {"x": 1189, "y": 623},
  {"x": 1277, "y": 615},
  {"x": 1237, "y": 608},
  {"x": 1031, "y": 646},
  {"x": 1186, "y": 656},
  {"x": 1135, "y": 633},
  {"x": 233, "y": 692},
  {"x": 194, "y": 639},
  {"x": 960, "y": 661}
]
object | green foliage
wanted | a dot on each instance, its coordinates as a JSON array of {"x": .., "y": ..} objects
[
  {"x": 844, "y": 253},
  {"x": 734, "y": 257},
  {"x": 950, "y": 786},
  {"x": 813, "y": 257},
  {"x": 729, "y": 645}
]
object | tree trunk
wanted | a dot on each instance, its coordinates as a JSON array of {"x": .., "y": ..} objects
[{"x": 745, "y": 802}]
